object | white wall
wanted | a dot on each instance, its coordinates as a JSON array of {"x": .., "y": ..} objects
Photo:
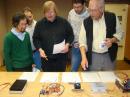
[{"x": 120, "y": 10}]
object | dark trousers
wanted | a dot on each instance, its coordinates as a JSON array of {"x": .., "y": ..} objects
[
  {"x": 54, "y": 65},
  {"x": 25, "y": 69}
]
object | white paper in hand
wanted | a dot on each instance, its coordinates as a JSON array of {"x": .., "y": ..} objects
[{"x": 58, "y": 48}]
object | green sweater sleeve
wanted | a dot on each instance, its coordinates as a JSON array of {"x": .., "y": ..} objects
[
  {"x": 7, "y": 54},
  {"x": 30, "y": 48}
]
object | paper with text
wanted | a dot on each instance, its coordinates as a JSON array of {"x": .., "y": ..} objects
[
  {"x": 90, "y": 77},
  {"x": 49, "y": 77},
  {"x": 70, "y": 77},
  {"x": 29, "y": 76}
]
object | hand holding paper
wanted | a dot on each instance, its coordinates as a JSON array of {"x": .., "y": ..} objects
[{"x": 66, "y": 49}]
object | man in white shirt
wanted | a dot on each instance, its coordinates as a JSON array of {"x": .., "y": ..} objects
[
  {"x": 99, "y": 35},
  {"x": 30, "y": 29},
  {"x": 76, "y": 17}
]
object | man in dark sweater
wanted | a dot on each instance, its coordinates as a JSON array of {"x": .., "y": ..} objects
[
  {"x": 49, "y": 31},
  {"x": 17, "y": 46}
]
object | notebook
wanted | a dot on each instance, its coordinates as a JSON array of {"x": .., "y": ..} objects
[{"x": 18, "y": 86}]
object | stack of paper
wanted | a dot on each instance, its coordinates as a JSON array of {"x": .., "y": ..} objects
[
  {"x": 107, "y": 76},
  {"x": 70, "y": 77},
  {"x": 58, "y": 48},
  {"x": 49, "y": 77},
  {"x": 29, "y": 76},
  {"x": 90, "y": 77}
]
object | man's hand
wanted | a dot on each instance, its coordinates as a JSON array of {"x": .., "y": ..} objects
[
  {"x": 33, "y": 65},
  {"x": 84, "y": 63},
  {"x": 42, "y": 54},
  {"x": 66, "y": 49},
  {"x": 108, "y": 42}
]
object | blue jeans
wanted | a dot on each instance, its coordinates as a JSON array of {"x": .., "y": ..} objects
[
  {"x": 75, "y": 59},
  {"x": 37, "y": 59}
]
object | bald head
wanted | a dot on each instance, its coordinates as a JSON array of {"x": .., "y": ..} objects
[
  {"x": 98, "y": 3},
  {"x": 96, "y": 8}
]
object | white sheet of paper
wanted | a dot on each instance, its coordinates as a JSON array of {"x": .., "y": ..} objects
[
  {"x": 107, "y": 76},
  {"x": 29, "y": 76},
  {"x": 58, "y": 48},
  {"x": 70, "y": 77},
  {"x": 49, "y": 77},
  {"x": 90, "y": 77},
  {"x": 98, "y": 87}
]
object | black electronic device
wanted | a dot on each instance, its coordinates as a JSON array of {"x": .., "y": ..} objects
[
  {"x": 77, "y": 86},
  {"x": 125, "y": 86},
  {"x": 18, "y": 86}
]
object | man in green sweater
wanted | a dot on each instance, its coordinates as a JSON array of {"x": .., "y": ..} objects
[{"x": 17, "y": 46}]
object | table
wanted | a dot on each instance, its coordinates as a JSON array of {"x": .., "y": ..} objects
[{"x": 33, "y": 88}]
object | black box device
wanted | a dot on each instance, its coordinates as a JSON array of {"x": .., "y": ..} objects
[{"x": 18, "y": 86}]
